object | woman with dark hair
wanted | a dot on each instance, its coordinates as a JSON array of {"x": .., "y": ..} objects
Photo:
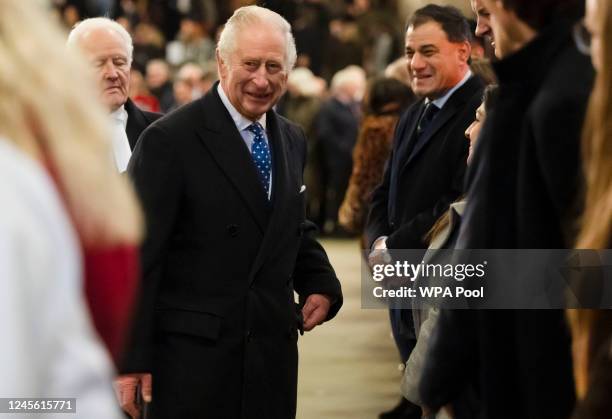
[{"x": 384, "y": 101}]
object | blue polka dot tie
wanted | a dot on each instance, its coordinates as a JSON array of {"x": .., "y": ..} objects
[{"x": 261, "y": 155}]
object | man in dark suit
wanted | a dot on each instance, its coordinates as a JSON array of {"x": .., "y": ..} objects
[
  {"x": 221, "y": 183},
  {"x": 425, "y": 171},
  {"x": 109, "y": 48}
]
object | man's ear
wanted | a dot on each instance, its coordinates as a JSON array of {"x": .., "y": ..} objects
[
  {"x": 221, "y": 65},
  {"x": 464, "y": 51}
]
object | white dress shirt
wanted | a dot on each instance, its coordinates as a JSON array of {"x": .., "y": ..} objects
[
  {"x": 441, "y": 101},
  {"x": 121, "y": 146},
  {"x": 242, "y": 123}
]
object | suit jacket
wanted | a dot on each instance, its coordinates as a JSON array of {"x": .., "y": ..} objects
[
  {"x": 137, "y": 121},
  {"x": 422, "y": 179},
  {"x": 217, "y": 324}
]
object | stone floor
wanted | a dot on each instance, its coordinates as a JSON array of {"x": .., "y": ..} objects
[{"x": 348, "y": 367}]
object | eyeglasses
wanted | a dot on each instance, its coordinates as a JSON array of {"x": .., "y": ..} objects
[{"x": 582, "y": 37}]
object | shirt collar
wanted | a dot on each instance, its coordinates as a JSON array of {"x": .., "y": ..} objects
[
  {"x": 441, "y": 101},
  {"x": 120, "y": 115},
  {"x": 241, "y": 122}
]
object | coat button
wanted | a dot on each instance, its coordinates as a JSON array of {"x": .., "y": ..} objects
[{"x": 232, "y": 230}]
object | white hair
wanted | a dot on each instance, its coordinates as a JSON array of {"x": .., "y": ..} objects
[
  {"x": 351, "y": 75},
  {"x": 303, "y": 81},
  {"x": 245, "y": 17},
  {"x": 83, "y": 27}
]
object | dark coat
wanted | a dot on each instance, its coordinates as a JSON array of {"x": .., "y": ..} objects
[
  {"x": 522, "y": 194},
  {"x": 526, "y": 170},
  {"x": 417, "y": 190},
  {"x": 217, "y": 324},
  {"x": 337, "y": 126},
  {"x": 137, "y": 121}
]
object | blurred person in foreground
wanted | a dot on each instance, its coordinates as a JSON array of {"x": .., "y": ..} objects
[
  {"x": 62, "y": 201},
  {"x": 524, "y": 194},
  {"x": 228, "y": 242},
  {"x": 108, "y": 47},
  {"x": 592, "y": 329},
  {"x": 425, "y": 171},
  {"x": 385, "y": 100}
]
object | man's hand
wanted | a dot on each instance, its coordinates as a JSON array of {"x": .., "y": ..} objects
[
  {"x": 125, "y": 389},
  {"x": 379, "y": 254},
  {"x": 315, "y": 310}
]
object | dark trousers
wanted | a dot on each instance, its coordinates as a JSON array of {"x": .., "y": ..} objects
[{"x": 402, "y": 326}]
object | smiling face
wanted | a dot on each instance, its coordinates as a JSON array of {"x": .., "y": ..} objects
[
  {"x": 511, "y": 33},
  {"x": 435, "y": 64},
  {"x": 483, "y": 22},
  {"x": 502, "y": 22},
  {"x": 108, "y": 54},
  {"x": 255, "y": 76},
  {"x": 473, "y": 131}
]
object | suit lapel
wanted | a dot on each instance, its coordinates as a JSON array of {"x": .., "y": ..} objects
[
  {"x": 136, "y": 123},
  {"x": 280, "y": 157},
  {"x": 443, "y": 116},
  {"x": 403, "y": 142},
  {"x": 452, "y": 106},
  {"x": 221, "y": 137},
  {"x": 408, "y": 136}
]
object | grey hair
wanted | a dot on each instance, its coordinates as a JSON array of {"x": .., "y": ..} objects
[
  {"x": 85, "y": 26},
  {"x": 348, "y": 76},
  {"x": 245, "y": 17}
]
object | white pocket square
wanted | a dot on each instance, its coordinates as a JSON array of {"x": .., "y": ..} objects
[{"x": 303, "y": 188}]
